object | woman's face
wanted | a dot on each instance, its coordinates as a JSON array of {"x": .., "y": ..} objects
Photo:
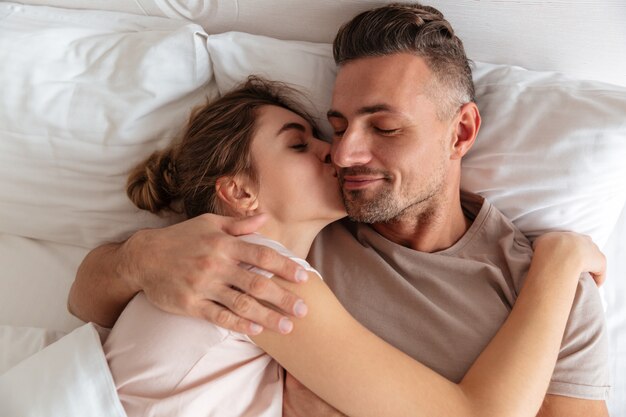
[{"x": 297, "y": 182}]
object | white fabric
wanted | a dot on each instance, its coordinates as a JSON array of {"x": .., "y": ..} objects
[
  {"x": 85, "y": 96},
  {"x": 69, "y": 378},
  {"x": 541, "y": 35},
  {"x": 35, "y": 279},
  {"x": 550, "y": 153},
  {"x": 126, "y": 6},
  {"x": 18, "y": 343},
  {"x": 614, "y": 292},
  {"x": 305, "y": 65}
]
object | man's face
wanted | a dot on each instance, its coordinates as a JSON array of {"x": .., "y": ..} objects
[{"x": 391, "y": 150}]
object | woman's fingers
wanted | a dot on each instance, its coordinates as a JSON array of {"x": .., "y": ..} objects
[
  {"x": 580, "y": 247},
  {"x": 595, "y": 260},
  {"x": 599, "y": 273}
]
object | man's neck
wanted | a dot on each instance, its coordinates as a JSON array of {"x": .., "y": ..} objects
[{"x": 433, "y": 228}]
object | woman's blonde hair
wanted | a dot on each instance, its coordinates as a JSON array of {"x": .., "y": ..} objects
[{"x": 215, "y": 143}]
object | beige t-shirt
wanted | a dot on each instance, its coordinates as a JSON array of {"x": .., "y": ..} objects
[{"x": 443, "y": 308}]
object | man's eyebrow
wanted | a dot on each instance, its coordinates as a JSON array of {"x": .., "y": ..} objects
[
  {"x": 334, "y": 113},
  {"x": 376, "y": 108},
  {"x": 292, "y": 126}
]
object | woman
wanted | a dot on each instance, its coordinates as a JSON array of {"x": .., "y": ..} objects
[{"x": 254, "y": 151}]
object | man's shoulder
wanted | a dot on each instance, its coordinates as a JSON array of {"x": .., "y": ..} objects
[
  {"x": 337, "y": 231},
  {"x": 490, "y": 228}
]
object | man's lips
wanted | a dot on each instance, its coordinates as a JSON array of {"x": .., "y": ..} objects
[{"x": 358, "y": 182}]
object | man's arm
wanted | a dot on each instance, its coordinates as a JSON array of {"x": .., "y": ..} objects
[
  {"x": 101, "y": 290},
  {"x": 560, "y": 406},
  {"x": 190, "y": 268}
]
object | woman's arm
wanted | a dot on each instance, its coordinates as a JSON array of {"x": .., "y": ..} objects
[{"x": 361, "y": 375}]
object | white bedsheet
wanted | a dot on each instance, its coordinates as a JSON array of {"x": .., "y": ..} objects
[
  {"x": 69, "y": 378},
  {"x": 35, "y": 280}
]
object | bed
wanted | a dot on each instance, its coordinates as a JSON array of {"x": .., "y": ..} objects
[{"x": 89, "y": 88}]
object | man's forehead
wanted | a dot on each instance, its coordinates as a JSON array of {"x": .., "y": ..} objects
[
  {"x": 392, "y": 92},
  {"x": 390, "y": 75}
]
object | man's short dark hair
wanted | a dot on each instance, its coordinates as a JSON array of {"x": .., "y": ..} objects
[{"x": 416, "y": 29}]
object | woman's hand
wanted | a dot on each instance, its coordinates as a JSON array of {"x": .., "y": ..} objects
[{"x": 570, "y": 246}]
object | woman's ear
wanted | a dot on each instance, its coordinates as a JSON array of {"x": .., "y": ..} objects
[{"x": 238, "y": 194}]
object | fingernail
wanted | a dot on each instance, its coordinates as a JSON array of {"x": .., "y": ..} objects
[
  {"x": 301, "y": 275},
  {"x": 285, "y": 325},
  {"x": 300, "y": 308},
  {"x": 255, "y": 328}
]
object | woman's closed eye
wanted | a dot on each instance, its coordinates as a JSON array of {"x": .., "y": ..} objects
[{"x": 300, "y": 146}]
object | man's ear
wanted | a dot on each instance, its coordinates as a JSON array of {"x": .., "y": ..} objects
[
  {"x": 467, "y": 126},
  {"x": 238, "y": 194}
]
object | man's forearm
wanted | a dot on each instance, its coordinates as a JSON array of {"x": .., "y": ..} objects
[{"x": 101, "y": 289}]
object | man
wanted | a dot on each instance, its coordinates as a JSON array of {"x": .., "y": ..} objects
[{"x": 432, "y": 270}]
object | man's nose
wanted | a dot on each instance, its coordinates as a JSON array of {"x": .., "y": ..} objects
[{"x": 351, "y": 149}]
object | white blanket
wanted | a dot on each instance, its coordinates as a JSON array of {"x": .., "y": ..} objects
[{"x": 69, "y": 378}]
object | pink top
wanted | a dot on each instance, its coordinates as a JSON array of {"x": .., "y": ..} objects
[{"x": 169, "y": 365}]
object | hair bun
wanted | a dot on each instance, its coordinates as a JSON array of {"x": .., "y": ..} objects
[{"x": 152, "y": 185}]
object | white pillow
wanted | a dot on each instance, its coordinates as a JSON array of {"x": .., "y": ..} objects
[
  {"x": 550, "y": 153},
  {"x": 551, "y": 150},
  {"x": 69, "y": 378},
  {"x": 307, "y": 66},
  {"x": 85, "y": 96}
]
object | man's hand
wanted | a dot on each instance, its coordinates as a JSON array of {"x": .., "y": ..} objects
[
  {"x": 299, "y": 401},
  {"x": 191, "y": 269}
]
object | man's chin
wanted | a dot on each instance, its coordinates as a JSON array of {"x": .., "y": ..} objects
[
  {"x": 366, "y": 215},
  {"x": 379, "y": 207}
]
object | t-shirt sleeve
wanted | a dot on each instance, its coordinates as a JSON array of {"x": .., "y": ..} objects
[{"x": 582, "y": 367}]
